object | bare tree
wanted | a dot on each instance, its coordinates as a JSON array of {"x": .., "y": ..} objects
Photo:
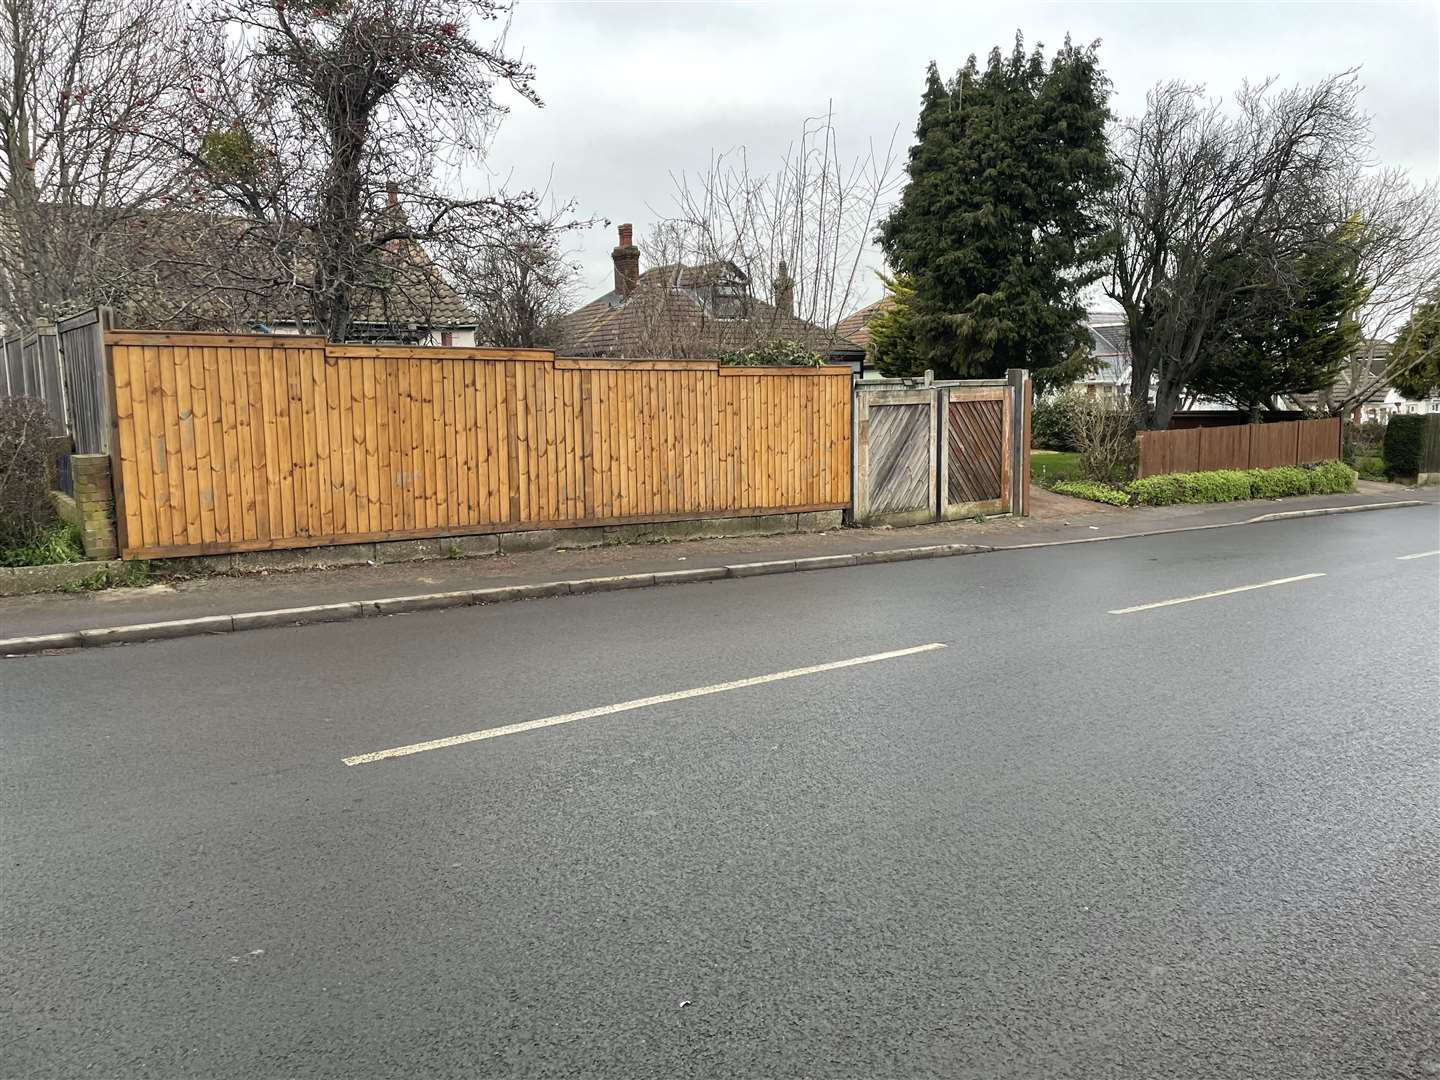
[
  {"x": 1397, "y": 239},
  {"x": 81, "y": 84},
  {"x": 330, "y": 133},
  {"x": 519, "y": 284},
  {"x": 797, "y": 235},
  {"x": 1201, "y": 186}
]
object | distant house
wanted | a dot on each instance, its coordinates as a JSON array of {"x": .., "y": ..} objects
[
  {"x": 196, "y": 270},
  {"x": 690, "y": 312},
  {"x": 1109, "y": 378},
  {"x": 1363, "y": 374},
  {"x": 1110, "y": 346}
]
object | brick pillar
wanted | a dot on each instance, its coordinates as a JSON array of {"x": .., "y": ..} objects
[{"x": 95, "y": 502}]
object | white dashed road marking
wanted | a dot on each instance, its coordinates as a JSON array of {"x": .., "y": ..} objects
[
  {"x": 636, "y": 703},
  {"x": 1417, "y": 555},
  {"x": 1217, "y": 592}
]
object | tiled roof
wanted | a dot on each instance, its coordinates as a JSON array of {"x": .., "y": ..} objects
[
  {"x": 855, "y": 327},
  {"x": 665, "y": 317}
]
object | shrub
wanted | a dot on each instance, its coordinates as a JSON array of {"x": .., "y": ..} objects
[
  {"x": 1052, "y": 422},
  {"x": 25, "y": 509},
  {"x": 1103, "y": 430},
  {"x": 1371, "y": 467},
  {"x": 1277, "y": 483},
  {"x": 1404, "y": 435},
  {"x": 1363, "y": 440},
  {"x": 1088, "y": 489},
  {"x": 772, "y": 354},
  {"x": 1222, "y": 485},
  {"x": 1330, "y": 477}
]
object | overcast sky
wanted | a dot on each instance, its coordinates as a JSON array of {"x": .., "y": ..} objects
[{"x": 637, "y": 91}]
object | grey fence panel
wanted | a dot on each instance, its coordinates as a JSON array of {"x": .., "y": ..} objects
[
  {"x": 32, "y": 369},
  {"x": 49, "y": 380},
  {"x": 14, "y": 368},
  {"x": 64, "y": 366},
  {"x": 87, "y": 391}
]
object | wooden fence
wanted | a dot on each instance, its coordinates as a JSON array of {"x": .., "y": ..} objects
[
  {"x": 63, "y": 365},
  {"x": 30, "y": 367},
  {"x": 1430, "y": 448},
  {"x": 1243, "y": 446},
  {"x": 235, "y": 443},
  {"x": 87, "y": 396},
  {"x": 934, "y": 451}
]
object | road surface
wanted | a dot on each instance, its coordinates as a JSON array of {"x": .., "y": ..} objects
[{"x": 1010, "y": 815}]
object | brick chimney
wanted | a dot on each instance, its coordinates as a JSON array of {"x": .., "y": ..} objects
[
  {"x": 785, "y": 291},
  {"x": 627, "y": 261},
  {"x": 392, "y": 194}
]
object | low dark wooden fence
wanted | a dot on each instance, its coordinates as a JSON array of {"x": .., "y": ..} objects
[
  {"x": 1430, "y": 447},
  {"x": 1243, "y": 446}
]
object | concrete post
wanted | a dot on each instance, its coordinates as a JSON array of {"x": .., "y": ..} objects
[{"x": 95, "y": 504}]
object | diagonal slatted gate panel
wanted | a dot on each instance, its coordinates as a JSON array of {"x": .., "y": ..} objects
[
  {"x": 899, "y": 458},
  {"x": 976, "y": 445}
]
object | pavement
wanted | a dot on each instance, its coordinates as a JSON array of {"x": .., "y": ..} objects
[
  {"x": 947, "y": 818},
  {"x": 1055, "y": 518}
]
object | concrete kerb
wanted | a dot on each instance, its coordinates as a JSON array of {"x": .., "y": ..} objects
[
  {"x": 340, "y": 612},
  {"x": 1285, "y": 515}
]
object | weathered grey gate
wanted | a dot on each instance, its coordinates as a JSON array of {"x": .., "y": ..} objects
[{"x": 928, "y": 451}]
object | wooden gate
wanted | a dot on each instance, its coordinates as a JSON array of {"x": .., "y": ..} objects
[
  {"x": 976, "y": 469},
  {"x": 937, "y": 451},
  {"x": 895, "y": 467}
]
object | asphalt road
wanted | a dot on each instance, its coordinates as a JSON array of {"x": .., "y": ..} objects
[{"x": 1197, "y": 840}]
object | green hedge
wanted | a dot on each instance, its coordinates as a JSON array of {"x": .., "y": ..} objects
[
  {"x": 1231, "y": 485},
  {"x": 1404, "y": 436},
  {"x": 1089, "y": 489},
  {"x": 1222, "y": 485},
  {"x": 1277, "y": 483}
]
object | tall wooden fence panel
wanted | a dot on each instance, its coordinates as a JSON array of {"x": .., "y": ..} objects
[
  {"x": 234, "y": 443},
  {"x": 31, "y": 368},
  {"x": 87, "y": 392},
  {"x": 1242, "y": 446}
]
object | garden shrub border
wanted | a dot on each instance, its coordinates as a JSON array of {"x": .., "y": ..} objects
[{"x": 1219, "y": 485}]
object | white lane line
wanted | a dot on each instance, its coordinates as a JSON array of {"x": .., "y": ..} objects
[
  {"x": 1217, "y": 592},
  {"x": 1417, "y": 555},
  {"x": 636, "y": 703}
]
